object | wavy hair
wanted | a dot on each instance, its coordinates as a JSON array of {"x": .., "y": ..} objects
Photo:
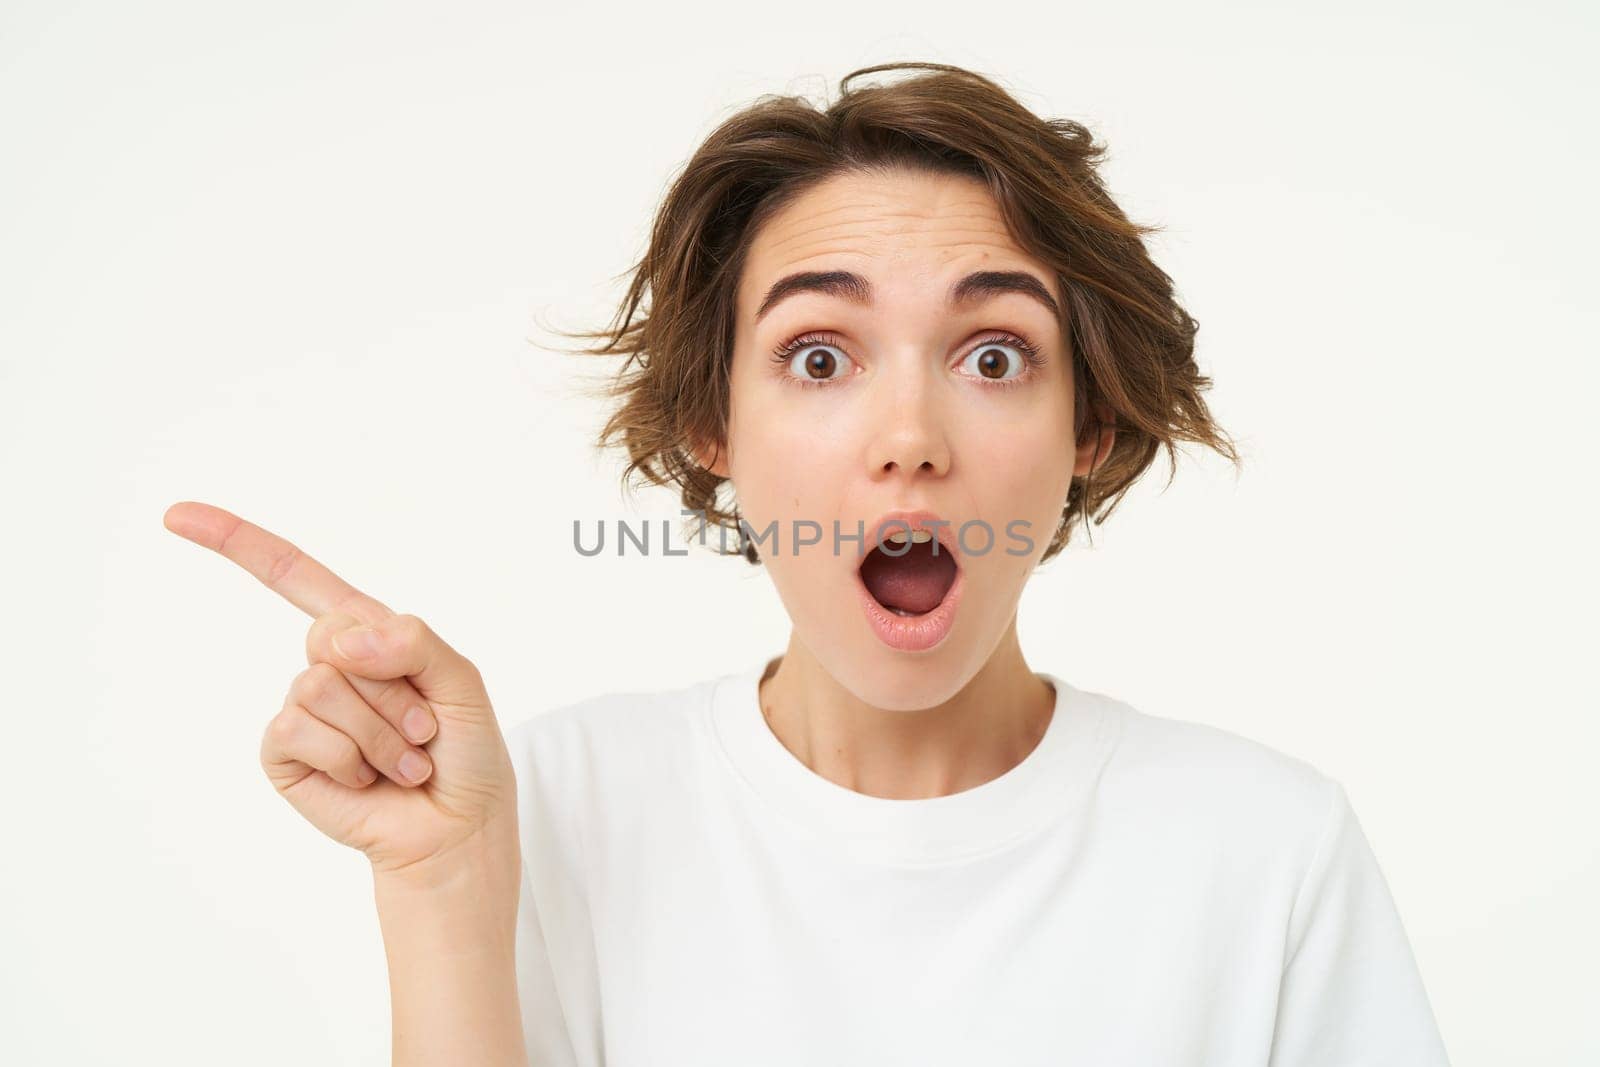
[{"x": 1132, "y": 345}]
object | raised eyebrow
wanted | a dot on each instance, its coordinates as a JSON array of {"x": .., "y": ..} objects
[
  {"x": 986, "y": 283},
  {"x": 853, "y": 287},
  {"x": 841, "y": 283}
]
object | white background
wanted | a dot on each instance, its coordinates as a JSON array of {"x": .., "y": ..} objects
[{"x": 296, "y": 260}]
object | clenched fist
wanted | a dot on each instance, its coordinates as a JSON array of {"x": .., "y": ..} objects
[{"x": 387, "y": 742}]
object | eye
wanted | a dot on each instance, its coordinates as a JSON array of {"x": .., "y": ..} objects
[
  {"x": 999, "y": 359},
  {"x": 811, "y": 360}
]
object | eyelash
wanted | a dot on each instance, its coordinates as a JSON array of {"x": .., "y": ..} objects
[{"x": 1031, "y": 356}]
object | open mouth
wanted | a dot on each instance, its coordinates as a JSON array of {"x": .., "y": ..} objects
[
  {"x": 909, "y": 574},
  {"x": 910, "y": 583}
]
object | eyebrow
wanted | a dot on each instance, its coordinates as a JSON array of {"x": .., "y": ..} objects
[{"x": 853, "y": 287}]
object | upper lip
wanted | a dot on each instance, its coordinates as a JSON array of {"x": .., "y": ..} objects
[{"x": 898, "y": 522}]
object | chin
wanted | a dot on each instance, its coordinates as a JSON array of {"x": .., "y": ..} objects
[{"x": 888, "y": 678}]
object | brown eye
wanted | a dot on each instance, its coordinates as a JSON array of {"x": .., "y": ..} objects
[
  {"x": 818, "y": 363},
  {"x": 995, "y": 361}
]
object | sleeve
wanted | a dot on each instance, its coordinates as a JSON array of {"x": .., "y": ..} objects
[
  {"x": 1351, "y": 994},
  {"x": 544, "y": 1025}
]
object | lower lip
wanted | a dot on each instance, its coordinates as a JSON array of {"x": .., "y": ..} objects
[{"x": 912, "y": 633}]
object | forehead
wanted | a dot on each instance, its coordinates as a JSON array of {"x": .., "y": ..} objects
[{"x": 896, "y": 226}]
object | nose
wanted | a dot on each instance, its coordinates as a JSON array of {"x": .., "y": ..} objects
[{"x": 909, "y": 433}]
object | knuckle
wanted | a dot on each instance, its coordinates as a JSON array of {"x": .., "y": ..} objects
[
  {"x": 410, "y": 630},
  {"x": 282, "y": 563},
  {"x": 284, "y": 728},
  {"x": 350, "y": 758},
  {"x": 387, "y": 747},
  {"x": 391, "y": 693},
  {"x": 317, "y": 683},
  {"x": 378, "y": 741},
  {"x": 298, "y": 687}
]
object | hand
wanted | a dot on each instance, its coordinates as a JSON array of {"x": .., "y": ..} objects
[{"x": 338, "y": 751}]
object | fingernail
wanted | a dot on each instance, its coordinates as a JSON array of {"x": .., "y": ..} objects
[
  {"x": 414, "y": 766},
  {"x": 359, "y": 643},
  {"x": 418, "y": 725}
]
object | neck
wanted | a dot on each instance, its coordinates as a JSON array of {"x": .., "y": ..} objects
[{"x": 989, "y": 726}]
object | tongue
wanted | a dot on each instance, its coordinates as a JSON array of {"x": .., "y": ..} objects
[{"x": 913, "y": 582}]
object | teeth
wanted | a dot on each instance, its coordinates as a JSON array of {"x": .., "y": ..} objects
[
  {"x": 922, "y": 537},
  {"x": 895, "y": 538},
  {"x": 917, "y": 537}
]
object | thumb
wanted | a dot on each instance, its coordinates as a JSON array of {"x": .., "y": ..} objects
[{"x": 403, "y": 646}]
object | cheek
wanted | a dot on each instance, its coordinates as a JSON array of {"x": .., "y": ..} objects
[
  {"x": 786, "y": 464},
  {"x": 786, "y": 472},
  {"x": 1021, "y": 469}
]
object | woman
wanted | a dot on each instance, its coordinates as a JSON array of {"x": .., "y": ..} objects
[{"x": 915, "y": 339}]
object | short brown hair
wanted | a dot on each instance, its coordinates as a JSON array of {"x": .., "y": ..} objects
[{"x": 1132, "y": 345}]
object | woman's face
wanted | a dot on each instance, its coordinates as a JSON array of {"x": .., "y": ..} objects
[{"x": 911, "y": 387}]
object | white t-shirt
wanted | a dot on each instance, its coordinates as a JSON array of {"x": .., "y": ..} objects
[{"x": 1137, "y": 892}]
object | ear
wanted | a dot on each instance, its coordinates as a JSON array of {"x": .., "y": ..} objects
[
  {"x": 1094, "y": 441},
  {"x": 710, "y": 456}
]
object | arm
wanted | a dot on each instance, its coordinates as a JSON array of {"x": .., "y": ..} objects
[
  {"x": 388, "y": 743},
  {"x": 450, "y": 940}
]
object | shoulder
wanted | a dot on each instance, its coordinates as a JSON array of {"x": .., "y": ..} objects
[{"x": 1211, "y": 782}]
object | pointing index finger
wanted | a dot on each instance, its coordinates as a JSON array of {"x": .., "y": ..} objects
[{"x": 276, "y": 563}]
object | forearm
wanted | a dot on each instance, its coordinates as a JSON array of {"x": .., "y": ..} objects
[{"x": 451, "y": 948}]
